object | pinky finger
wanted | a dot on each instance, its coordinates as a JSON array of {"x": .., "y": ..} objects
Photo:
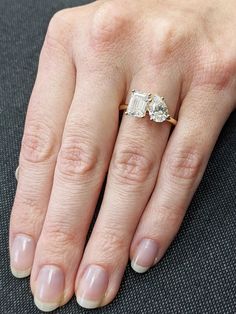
[{"x": 182, "y": 168}]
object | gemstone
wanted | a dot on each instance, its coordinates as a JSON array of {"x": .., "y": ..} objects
[
  {"x": 158, "y": 110},
  {"x": 138, "y": 104}
]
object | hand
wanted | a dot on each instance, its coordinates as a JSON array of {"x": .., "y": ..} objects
[{"x": 92, "y": 57}]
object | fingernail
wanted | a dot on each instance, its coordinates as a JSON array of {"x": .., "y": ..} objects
[
  {"x": 50, "y": 286},
  {"x": 92, "y": 287},
  {"x": 22, "y": 255},
  {"x": 145, "y": 255}
]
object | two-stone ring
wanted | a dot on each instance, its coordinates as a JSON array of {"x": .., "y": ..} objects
[{"x": 141, "y": 103}]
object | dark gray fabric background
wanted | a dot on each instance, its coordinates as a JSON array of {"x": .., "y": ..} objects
[{"x": 198, "y": 273}]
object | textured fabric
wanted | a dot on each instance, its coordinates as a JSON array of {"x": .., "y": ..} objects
[{"x": 197, "y": 275}]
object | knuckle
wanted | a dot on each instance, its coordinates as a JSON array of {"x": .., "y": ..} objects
[
  {"x": 108, "y": 24},
  {"x": 58, "y": 37},
  {"x": 77, "y": 157},
  {"x": 169, "y": 214},
  {"x": 61, "y": 232},
  {"x": 39, "y": 143},
  {"x": 27, "y": 214},
  {"x": 219, "y": 70},
  {"x": 185, "y": 165},
  {"x": 166, "y": 43},
  {"x": 131, "y": 166},
  {"x": 225, "y": 72},
  {"x": 111, "y": 243},
  {"x": 62, "y": 15}
]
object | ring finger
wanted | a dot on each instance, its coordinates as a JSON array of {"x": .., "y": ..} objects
[{"x": 131, "y": 179}]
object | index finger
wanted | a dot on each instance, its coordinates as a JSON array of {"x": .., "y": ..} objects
[{"x": 47, "y": 111}]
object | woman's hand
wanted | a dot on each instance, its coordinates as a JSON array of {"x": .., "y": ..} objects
[{"x": 92, "y": 57}]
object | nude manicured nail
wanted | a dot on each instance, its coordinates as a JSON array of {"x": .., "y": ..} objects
[
  {"x": 22, "y": 255},
  {"x": 92, "y": 287},
  {"x": 50, "y": 285},
  {"x": 145, "y": 255}
]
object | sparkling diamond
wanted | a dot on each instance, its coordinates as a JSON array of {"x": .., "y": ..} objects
[
  {"x": 158, "y": 110},
  {"x": 138, "y": 104}
]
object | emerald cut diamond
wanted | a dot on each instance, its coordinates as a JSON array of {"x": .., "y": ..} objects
[
  {"x": 158, "y": 110},
  {"x": 138, "y": 104}
]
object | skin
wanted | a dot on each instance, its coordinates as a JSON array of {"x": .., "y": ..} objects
[{"x": 92, "y": 57}]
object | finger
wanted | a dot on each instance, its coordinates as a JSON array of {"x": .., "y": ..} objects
[
  {"x": 132, "y": 175},
  {"x": 200, "y": 120},
  {"x": 82, "y": 163},
  {"x": 45, "y": 120}
]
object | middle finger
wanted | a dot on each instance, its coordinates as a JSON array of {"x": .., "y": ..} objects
[{"x": 81, "y": 166}]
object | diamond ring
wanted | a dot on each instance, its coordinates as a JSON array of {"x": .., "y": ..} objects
[{"x": 140, "y": 103}]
